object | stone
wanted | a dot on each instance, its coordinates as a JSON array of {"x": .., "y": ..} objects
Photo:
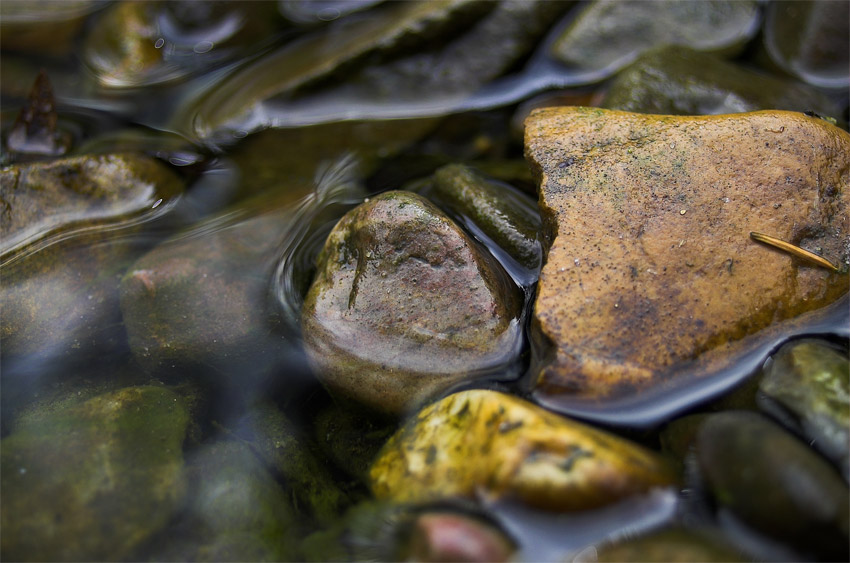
[
  {"x": 775, "y": 483},
  {"x": 810, "y": 41},
  {"x": 676, "y": 80},
  {"x": 404, "y": 304},
  {"x": 93, "y": 480},
  {"x": 449, "y": 536},
  {"x": 35, "y": 130},
  {"x": 504, "y": 215},
  {"x": 483, "y": 442},
  {"x": 235, "y": 511},
  {"x": 606, "y": 35},
  {"x": 671, "y": 545},
  {"x": 42, "y": 26},
  {"x": 812, "y": 380},
  {"x": 651, "y": 275}
]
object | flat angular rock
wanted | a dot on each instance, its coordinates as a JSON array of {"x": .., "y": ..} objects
[
  {"x": 651, "y": 274},
  {"x": 405, "y": 304},
  {"x": 486, "y": 442}
]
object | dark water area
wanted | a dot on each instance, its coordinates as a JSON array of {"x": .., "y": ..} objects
[{"x": 251, "y": 129}]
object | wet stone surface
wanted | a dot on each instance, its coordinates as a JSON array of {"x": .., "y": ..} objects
[
  {"x": 121, "y": 476},
  {"x": 651, "y": 273},
  {"x": 486, "y": 442},
  {"x": 405, "y": 304}
]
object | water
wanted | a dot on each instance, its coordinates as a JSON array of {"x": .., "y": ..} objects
[{"x": 283, "y": 227}]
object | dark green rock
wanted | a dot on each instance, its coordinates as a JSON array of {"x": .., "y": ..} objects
[
  {"x": 810, "y": 40},
  {"x": 775, "y": 483},
  {"x": 235, "y": 511},
  {"x": 608, "y": 34},
  {"x": 405, "y": 304},
  {"x": 504, "y": 215},
  {"x": 42, "y": 26},
  {"x": 812, "y": 380},
  {"x": 288, "y": 453},
  {"x": 678, "y": 436},
  {"x": 671, "y": 545},
  {"x": 93, "y": 480},
  {"x": 682, "y": 81}
]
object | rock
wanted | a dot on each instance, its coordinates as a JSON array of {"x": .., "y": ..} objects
[
  {"x": 774, "y": 483},
  {"x": 671, "y": 545},
  {"x": 92, "y": 481},
  {"x": 135, "y": 44},
  {"x": 504, "y": 215},
  {"x": 65, "y": 245},
  {"x": 236, "y": 511},
  {"x": 651, "y": 274},
  {"x": 682, "y": 81},
  {"x": 286, "y": 451},
  {"x": 41, "y": 199},
  {"x": 405, "y": 304},
  {"x": 812, "y": 381},
  {"x": 201, "y": 298},
  {"x": 810, "y": 41},
  {"x": 449, "y": 536},
  {"x": 488, "y": 443},
  {"x": 42, "y": 26},
  {"x": 351, "y": 438},
  {"x": 349, "y": 43},
  {"x": 35, "y": 130},
  {"x": 609, "y": 34}
]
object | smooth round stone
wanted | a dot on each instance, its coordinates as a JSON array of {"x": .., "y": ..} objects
[{"x": 405, "y": 304}]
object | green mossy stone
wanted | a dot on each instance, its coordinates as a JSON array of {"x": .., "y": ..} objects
[
  {"x": 774, "y": 482},
  {"x": 669, "y": 546},
  {"x": 94, "y": 480},
  {"x": 812, "y": 380},
  {"x": 506, "y": 216},
  {"x": 683, "y": 81}
]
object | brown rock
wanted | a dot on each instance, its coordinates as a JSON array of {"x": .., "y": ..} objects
[
  {"x": 405, "y": 304},
  {"x": 651, "y": 271}
]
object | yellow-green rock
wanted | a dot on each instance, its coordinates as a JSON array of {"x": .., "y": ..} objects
[{"x": 483, "y": 442}]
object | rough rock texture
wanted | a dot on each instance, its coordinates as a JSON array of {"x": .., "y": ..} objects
[
  {"x": 487, "y": 442},
  {"x": 92, "y": 481},
  {"x": 650, "y": 271},
  {"x": 405, "y": 304}
]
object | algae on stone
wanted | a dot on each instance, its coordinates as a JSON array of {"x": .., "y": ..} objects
[
  {"x": 651, "y": 274},
  {"x": 94, "y": 480},
  {"x": 405, "y": 304},
  {"x": 485, "y": 442}
]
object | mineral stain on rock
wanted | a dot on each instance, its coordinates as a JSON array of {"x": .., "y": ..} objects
[
  {"x": 651, "y": 274},
  {"x": 405, "y": 304}
]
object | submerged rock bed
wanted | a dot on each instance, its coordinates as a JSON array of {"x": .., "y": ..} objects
[{"x": 313, "y": 280}]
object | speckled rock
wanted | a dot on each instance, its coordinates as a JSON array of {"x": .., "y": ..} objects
[
  {"x": 405, "y": 304},
  {"x": 651, "y": 273},
  {"x": 92, "y": 480},
  {"x": 775, "y": 483},
  {"x": 485, "y": 442},
  {"x": 812, "y": 381}
]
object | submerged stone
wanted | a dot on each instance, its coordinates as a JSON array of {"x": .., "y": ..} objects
[
  {"x": 608, "y": 34},
  {"x": 775, "y": 483},
  {"x": 682, "y": 81},
  {"x": 651, "y": 274},
  {"x": 810, "y": 40},
  {"x": 485, "y": 442},
  {"x": 235, "y": 511},
  {"x": 812, "y": 381},
  {"x": 92, "y": 481},
  {"x": 505, "y": 216},
  {"x": 43, "y": 27},
  {"x": 669, "y": 546},
  {"x": 40, "y": 199},
  {"x": 405, "y": 304},
  {"x": 35, "y": 131}
]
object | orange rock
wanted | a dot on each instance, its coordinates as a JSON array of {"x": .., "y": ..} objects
[{"x": 651, "y": 272}]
